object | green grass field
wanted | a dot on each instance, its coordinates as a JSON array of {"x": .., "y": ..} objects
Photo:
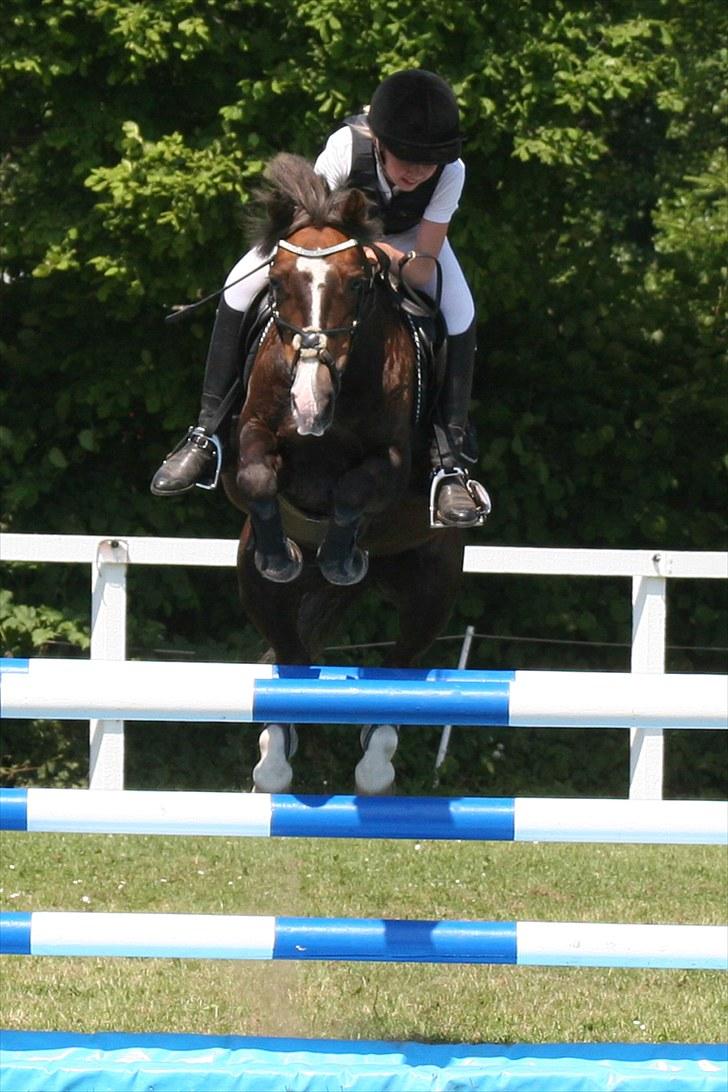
[{"x": 364, "y": 879}]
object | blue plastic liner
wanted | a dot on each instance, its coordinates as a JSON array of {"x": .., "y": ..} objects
[{"x": 107, "y": 1062}]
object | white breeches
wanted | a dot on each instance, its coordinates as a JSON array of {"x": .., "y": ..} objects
[{"x": 240, "y": 295}]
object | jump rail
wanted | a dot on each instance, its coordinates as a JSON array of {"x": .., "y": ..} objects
[
  {"x": 163, "y": 691},
  {"x": 364, "y": 940},
  {"x": 503, "y": 819},
  {"x": 175, "y": 1063},
  {"x": 109, "y": 557}
]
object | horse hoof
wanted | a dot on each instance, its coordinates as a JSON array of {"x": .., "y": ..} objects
[
  {"x": 374, "y": 774},
  {"x": 285, "y": 572},
  {"x": 273, "y": 773},
  {"x": 351, "y": 571}
]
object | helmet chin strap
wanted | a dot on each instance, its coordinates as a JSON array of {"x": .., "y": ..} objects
[{"x": 379, "y": 153}]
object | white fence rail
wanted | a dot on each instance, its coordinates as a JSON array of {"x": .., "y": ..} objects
[{"x": 109, "y": 558}]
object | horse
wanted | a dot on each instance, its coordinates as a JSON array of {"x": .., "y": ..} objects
[{"x": 329, "y": 459}]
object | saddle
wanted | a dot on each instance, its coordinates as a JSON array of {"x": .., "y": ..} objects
[{"x": 429, "y": 335}]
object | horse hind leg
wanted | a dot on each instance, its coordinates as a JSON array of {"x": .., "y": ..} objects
[
  {"x": 423, "y": 585},
  {"x": 374, "y": 774},
  {"x": 273, "y": 772}
]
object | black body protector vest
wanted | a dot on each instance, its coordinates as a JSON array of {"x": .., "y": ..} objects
[{"x": 405, "y": 210}]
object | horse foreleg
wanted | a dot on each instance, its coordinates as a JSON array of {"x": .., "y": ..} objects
[
  {"x": 277, "y": 557},
  {"x": 366, "y": 490},
  {"x": 339, "y": 558}
]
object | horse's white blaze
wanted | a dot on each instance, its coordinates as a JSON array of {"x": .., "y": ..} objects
[
  {"x": 307, "y": 400},
  {"x": 314, "y": 270}
]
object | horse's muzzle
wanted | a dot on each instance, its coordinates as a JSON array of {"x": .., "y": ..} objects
[{"x": 312, "y": 397}]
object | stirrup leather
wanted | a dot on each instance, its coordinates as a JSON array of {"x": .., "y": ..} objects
[
  {"x": 478, "y": 492},
  {"x": 206, "y": 442}
]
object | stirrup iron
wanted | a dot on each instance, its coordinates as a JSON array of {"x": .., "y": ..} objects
[
  {"x": 203, "y": 439},
  {"x": 478, "y": 492}
]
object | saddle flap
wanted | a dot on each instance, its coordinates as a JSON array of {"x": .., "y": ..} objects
[
  {"x": 429, "y": 336},
  {"x": 256, "y": 321}
]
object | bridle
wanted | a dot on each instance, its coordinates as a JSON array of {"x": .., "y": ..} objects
[{"x": 310, "y": 342}]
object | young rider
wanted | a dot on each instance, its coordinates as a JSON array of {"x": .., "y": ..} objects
[{"x": 405, "y": 154}]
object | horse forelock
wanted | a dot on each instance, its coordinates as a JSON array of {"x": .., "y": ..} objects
[{"x": 294, "y": 196}]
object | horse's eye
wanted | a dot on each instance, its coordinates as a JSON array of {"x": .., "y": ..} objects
[
  {"x": 277, "y": 288},
  {"x": 356, "y": 284}
]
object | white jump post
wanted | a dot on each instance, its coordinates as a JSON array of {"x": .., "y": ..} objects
[
  {"x": 108, "y": 642},
  {"x": 649, "y": 571},
  {"x": 647, "y": 745}
]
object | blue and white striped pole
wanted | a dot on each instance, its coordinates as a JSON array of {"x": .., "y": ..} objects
[
  {"x": 465, "y": 818},
  {"x": 136, "y": 690},
  {"x": 210, "y": 936}
]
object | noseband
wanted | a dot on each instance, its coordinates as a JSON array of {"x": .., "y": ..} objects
[{"x": 312, "y": 341}]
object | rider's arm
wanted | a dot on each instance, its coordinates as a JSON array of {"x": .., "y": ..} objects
[
  {"x": 430, "y": 237},
  {"x": 334, "y": 162},
  {"x": 433, "y": 227}
]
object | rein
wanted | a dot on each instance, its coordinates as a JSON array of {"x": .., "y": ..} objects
[{"x": 180, "y": 311}]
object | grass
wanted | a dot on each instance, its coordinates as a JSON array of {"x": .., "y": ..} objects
[{"x": 362, "y": 878}]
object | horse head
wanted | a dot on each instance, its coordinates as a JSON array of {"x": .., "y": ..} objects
[{"x": 319, "y": 279}]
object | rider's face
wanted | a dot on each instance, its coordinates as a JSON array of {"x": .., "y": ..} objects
[{"x": 403, "y": 174}]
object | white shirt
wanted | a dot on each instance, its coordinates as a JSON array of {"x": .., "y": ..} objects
[{"x": 335, "y": 163}]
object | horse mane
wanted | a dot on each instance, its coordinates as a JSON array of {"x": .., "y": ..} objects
[{"x": 293, "y": 196}]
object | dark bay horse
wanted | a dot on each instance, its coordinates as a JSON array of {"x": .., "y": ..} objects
[{"x": 328, "y": 459}]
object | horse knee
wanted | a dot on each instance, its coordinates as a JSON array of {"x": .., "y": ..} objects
[{"x": 255, "y": 481}]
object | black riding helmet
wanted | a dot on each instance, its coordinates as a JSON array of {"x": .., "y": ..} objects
[{"x": 415, "y": 115}]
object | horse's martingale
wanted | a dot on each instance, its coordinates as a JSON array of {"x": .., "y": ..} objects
[{"x": 328, "y": 461}]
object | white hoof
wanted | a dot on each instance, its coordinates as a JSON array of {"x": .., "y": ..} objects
[
  {"x": 273, "y": 773},
  {"x": 374, "y": 774}
]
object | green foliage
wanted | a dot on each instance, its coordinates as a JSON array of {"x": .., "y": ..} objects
[
  {"x": 594, "y": 230},
  {"x": 32, "y": 631}
]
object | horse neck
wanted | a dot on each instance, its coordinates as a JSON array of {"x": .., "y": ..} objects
[{"x": 382, "y": 367}]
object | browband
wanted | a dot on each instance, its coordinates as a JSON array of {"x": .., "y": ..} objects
[{"x": 302, "y": 252}]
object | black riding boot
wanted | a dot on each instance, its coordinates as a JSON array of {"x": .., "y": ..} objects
[
  {"x": 456, "y": 500},
  {"x": 197, "y": 457}
]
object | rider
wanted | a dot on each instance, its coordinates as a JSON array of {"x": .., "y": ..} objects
[{"x": 404, "y": 152}]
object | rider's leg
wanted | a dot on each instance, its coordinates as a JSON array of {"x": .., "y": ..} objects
[
  {"x": 458, "y": 500},
  {"x": 195, "y": 459}
]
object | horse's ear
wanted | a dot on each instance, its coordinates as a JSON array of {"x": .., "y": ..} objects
[
  {"x": 359, "y": 216},
  {"x": 268, "y": 218}
]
